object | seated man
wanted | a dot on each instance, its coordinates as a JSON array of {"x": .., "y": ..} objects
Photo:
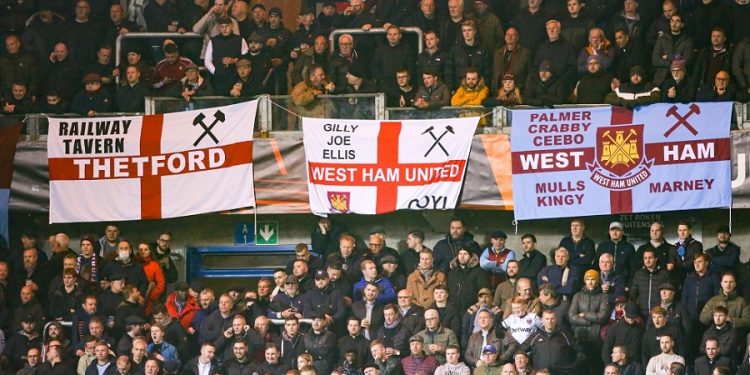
[
  {"x": 434, "y": 94},
  {"x": 545, "y": 89},
  {"x": 635, "y": 93}
]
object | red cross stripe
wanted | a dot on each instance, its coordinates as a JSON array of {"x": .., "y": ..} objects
[
  {"x": 394, "y": 174},
  {"x": 151, "y": 165},
  {"x": 621, "y": 201},
  {"x": 151, "y": 132}
]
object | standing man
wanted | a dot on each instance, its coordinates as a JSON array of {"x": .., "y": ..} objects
[
  {"x": 622, "y": 251},
  {"x": 532, "y": 261},
  {"x": 495, "y": 258},
  {"x": 580, "y": 247},
  {"x": 447, "y": 249},
  {"x": 686, "y": 247},
  {"x": 553, "y": 347},
  {"x": 665, "y": 252},
  {"x": 725, "y": 256},
  {"x": 222, "y": 53}
]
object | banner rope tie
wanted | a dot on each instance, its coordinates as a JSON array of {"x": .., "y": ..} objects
[{"x": 286, "y": 109}]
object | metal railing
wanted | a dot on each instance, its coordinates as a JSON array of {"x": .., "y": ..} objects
[
  {"x": 375, "y": 31},
  {"x": 279, "y": 115}
]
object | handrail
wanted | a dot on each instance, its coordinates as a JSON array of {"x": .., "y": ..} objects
[{"x": 375, "y": 30}]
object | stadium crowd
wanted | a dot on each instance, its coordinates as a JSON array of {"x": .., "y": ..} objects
[
  {"x": 358, "y": 306},
  {"x": 59, "y": 55}
]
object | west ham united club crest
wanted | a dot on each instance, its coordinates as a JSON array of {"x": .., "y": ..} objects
[
  {"x": 339, "y": 201},
  {"x": 620, "y": 160}
]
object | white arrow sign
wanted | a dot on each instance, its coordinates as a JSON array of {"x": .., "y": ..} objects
[{"x": 266, "y": 232}]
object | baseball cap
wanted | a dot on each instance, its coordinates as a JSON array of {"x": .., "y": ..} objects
[
  {"x": 489, "y": 349},
  {"x": 615, "y": 225}
]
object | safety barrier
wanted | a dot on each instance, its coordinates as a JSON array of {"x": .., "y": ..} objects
[
  {"x": 277, "y": 115},
  {"x": 376, "y": 31}
]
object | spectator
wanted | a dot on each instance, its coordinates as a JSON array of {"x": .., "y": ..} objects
[
  {"x": 741, "y": 64},
  {"x": 488, "y": 26},
  {"x": 451, "y": 32},
  {"x": 627, "y": 55},
  {"x": 708, "y": 17},
  {"x": 423, "y": 281},
  {"x": 472, "y": 90},
  {"x": 726, "y": 254},
  {"x": 647, "y": 281},
  {"x": 660, "y": 26},
  {"x": 627, "y": 333},
  {"x": 660, "y": 327},
  {"x": 547, "y": 88},
  {"x": 203, "y": 363},
  {"x": 272, "y": 364},
  {"x": 432, "y": 58},
  {"x": 418, "y": 361},
  {"x": 340, "y": 63},
  {"x": 465, "y": 54},
  {"x": 103, "y": 360},
  {"x": 26, "y": 337},
  {"x": 447, "y": 248},
  {"x": 723, "y": 89},
  {"x": 599, "y": 46},
  {"x": 402, "y": 95},
  {"x": 194, "y": 85},
  {"x": 358, "y": 16},
  {"x": 511, "y": 59},
  {"x": 713, "y": 360},
  {"x": 658, "y": 363},
  {"x": 576, "y": 24},
  {"x": 560, "y": 53},
  {"x": 222, "y": 53},
  {"x": 117, "y": 24},
  {"x": 18, "y": 65},
  {"x": 126, "y": 264},
  {"x": 530, "y": 24},
  {"x": 495, "y": 258},
  {"x": 479, "y": 340},
  {"x": 588, "y": 313},
  {"x": 132, "y": 93},
  {"x": 668, "y": 47},
  {"x": 387, "y": 364},
  {"x": 624, "y": 364},
  {"x": 580, "y": 246},
  {"x": 426, "y": 18},
  {"x": 713, "y": 58},
  {"x": 317, "y": 54},
  {"x": 260, "y": 60},
  {"x": 508, "y": 95},
  {"x": 565, "y": 280},
  {"x": 727, "y": 338},
  {"x": 635, "y": 93},
  {"x": 521, "y": 323},
  {"x": 63, "y": 72},
  {"x": 51, "y": 102},
  {"x": 452, "y": 366},
  {"x": 304, "y": 94},
  {"x": 163, "y": 16},
  {"x": 737, "y": 307},
  {"x": 169, "y": 72},
  {"x": 489, "y": 364},
  {"x": 677, "y": 88},
  {"x": 629, "y": 20},
  {"x": 391, "y": 56},
  {"x": 554, "y": 347},
  {"x": 17, "y": 101},
  {"x": 433, "y": 95},
  {"x": 278, "y": 44},
  {"x": 33, "y": 360},
  {"x": 686, "y": 245},
  {"x": 86, "y": 33},
  {"x": 55, "y": 364}
]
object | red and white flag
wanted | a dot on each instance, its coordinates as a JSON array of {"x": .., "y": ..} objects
[
  {"x": 374, "y": 167},
  {"x": 151, "y": 167}
]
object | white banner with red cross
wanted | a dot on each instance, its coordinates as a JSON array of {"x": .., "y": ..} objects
[
  {"x": 375, "y": 167},
  {"x": 608, "y": 160},
  {"x": 151, "y": 167}
]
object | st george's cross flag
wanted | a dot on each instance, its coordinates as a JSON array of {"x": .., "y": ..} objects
[
  {"x": 375, "y": 167},
  {"x": 151, "y": 167}
]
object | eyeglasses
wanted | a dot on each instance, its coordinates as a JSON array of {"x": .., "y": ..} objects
[{"x": 376, "y": 244}]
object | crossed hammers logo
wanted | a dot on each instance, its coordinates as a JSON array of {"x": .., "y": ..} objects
[
  {"x": 198, "y": 120},
  {"x": 682, "y": 119},
  {"x": 436, "y": 139}
]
